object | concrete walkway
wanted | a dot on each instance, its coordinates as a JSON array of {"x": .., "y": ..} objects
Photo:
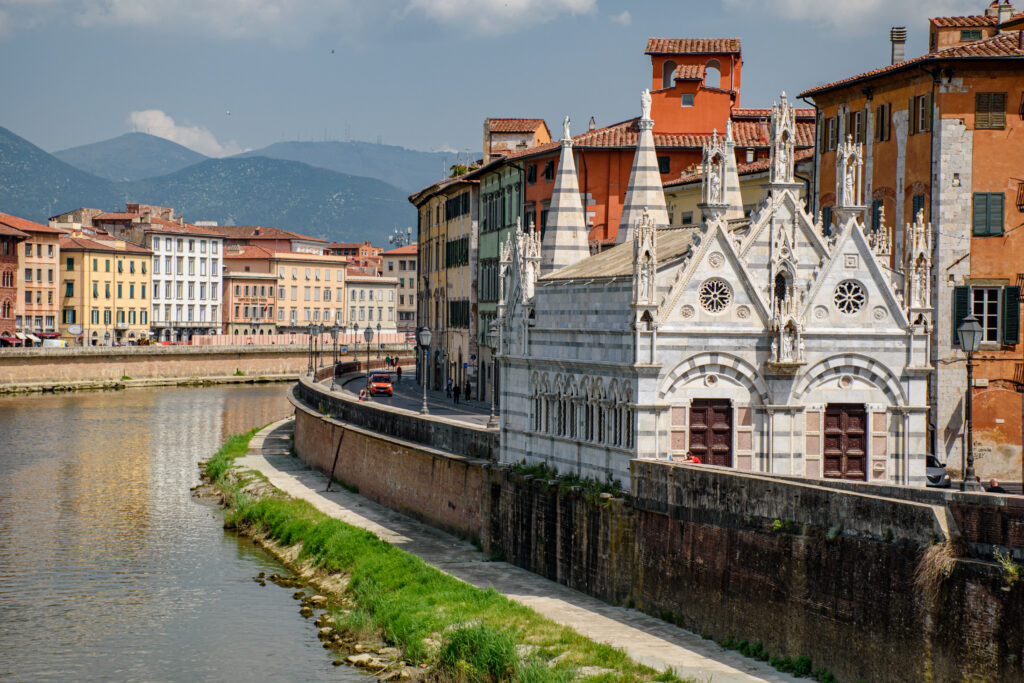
[{"x": 645, "y": 639}]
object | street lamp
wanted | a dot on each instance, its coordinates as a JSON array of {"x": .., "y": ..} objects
[
  {"x": 334, "y": 366},
  {"x": 969, "y": 334},
  {"x": 380, "y": 342},
  {"x": 423, "y": 338},
  {"x": 368, "y": 336},
  {"x": 492, "y": 340},
  {"x": 309, "y": 344}
]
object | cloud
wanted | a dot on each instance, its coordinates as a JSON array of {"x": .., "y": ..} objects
[
  {"x": 622, "y": 18},
  {"x": 856, "y": 16},
  {"x": 498, "y": 16},
  {"x": 199, "y": 139}
]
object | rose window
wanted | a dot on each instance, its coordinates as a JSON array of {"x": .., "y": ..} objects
[
  {"x": 715, "y": 295},
  {"x": 849, "y": 297}
]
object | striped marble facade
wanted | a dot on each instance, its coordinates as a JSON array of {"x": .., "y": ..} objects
[
  {"x": 565, "y": 236},
  {"x": 645, "y": 190}
]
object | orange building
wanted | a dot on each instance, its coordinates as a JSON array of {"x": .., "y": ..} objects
[
  {"x": 695, "y": 91},
  {"x": 943, "y": 138},
  {"x": 10, "y": 238},
  {"x": 38, "y": 301}
]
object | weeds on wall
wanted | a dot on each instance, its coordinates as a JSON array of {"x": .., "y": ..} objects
[
  {"x": 798, "y": 666},
  {"x": 592, "y": 487},
  {"x": 1011, "y": 570}
]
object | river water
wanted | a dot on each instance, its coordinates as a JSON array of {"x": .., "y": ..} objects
[{"x": 110, "y": 570}]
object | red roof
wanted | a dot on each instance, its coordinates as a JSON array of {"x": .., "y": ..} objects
[
  {"x": 180, "y": 228},
  {"x": 89, "y": 244},
  {"x": 801, "y": 113},
  {"x": 1005, "y": 45},
  {"x": 689, "y": 72},
  {"x": 8, "y": 231},
  {"x": 259, "y": 232},
  {"x": 246, "y": 251},
  {"x": 692, "y": 46},
  {"x": 26, "y": 225},
  {"x": 116, "y": 216},
  {"x": 742, "y": 169},
  {"x": 407, "y": 250},
  {"x": 975, "y": 20},
  {"x": 514, "y": 125}
]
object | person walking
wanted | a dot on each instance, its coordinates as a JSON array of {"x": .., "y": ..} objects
[
  {"x": 448, "y": 388},
  {"x": 387, "y": 361},
  {"x": 398, "y": 373},
  {"x": 994, "y": 487},
  {"x": 455, "y": 392},
  {"x": 465, "y": 391}
]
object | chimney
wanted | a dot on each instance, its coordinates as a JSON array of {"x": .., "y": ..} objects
[
  {"x": 993, "y": 9},
  {"x": 1005, "y": 11},
  {"x": 592, "y": 125},
  {"x": 487, "y": 141},
  {"x": 898, "y": 38}
]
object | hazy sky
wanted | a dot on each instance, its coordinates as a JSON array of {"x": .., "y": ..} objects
[{"x": 221, "y": 76}]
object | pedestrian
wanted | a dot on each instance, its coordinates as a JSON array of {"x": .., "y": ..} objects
[
  {"x": 994, "y": 487},
  {"x": 448, "y": 388},
  {"x": 455, "y": 393},
  {"x": 398, "y": 372},
  {"x": 387, "y": 361},
  {"x": 465, "y": 391}
]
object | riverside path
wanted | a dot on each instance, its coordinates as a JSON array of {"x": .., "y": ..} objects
[{"x": 645, "y": 639}]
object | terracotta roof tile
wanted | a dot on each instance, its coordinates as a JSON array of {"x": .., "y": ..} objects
[
  {"x": 116, "y": 216},
  {"x": 264, "y": 233},
  {"x": 742, "y": 169},
  {"x": 246, "y": 251},
  {"x": 8, "y": 231},
  {"x": 1004, "y": 45},
  {"x": 179, "y": 228},
  {"x": 692, "y": 46},
  {"x": 973, "y": 20},
  {"x": 25, "y": 225},
  {"x": 515, "y": 125},
  {"x": 801, "y": 113},
  {"x": 409, "y": 249},
  {"x": 689, "y": 72},
  {"x": 82, "y": 243}
]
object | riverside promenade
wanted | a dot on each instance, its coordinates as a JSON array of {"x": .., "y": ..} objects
[{"x": 645, "y": 639}]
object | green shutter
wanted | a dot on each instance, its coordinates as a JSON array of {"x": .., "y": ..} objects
[
  {"x": 912, "y": 117},
  {"x": 982, "y": 106},
  {"x": 961, "y": 304},
  {"x": 997, "y": 109},
  {"x": 980, "y": 215},
  {"x": 926, "y": 123},
  {"x": 995, "y": 213},
  {"x": 1011, "y": 315}
]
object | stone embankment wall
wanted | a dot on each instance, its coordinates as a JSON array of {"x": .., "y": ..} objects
[
  {"x": 826, "y": 572},
  {"x": 437, "y": 487}
]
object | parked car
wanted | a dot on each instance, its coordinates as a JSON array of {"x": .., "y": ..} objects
[
  {"x": 935, "y": 473},
  {"x": 380, "y": 383}
]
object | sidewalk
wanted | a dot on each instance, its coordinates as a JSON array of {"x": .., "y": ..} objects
[{"x": 647, "y": 640}]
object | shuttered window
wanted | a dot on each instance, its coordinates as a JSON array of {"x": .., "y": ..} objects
[
  {"x": 961, "y": 302},
  {"x": 988, "y": 214},
  {"x": 826, "y": 220},
  {"x": 918, "y": 205},
  {"x": 876, "y": 215},
  {"x": 990, "y": 110},
  {"x": 883, "y": 122},
  {"x": 1011, "y": 315}
]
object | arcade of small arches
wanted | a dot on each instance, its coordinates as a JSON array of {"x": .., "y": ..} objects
[{"x": 583, "y": 409}]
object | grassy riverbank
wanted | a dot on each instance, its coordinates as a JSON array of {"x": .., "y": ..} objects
[{"x": 456, "y": 630}]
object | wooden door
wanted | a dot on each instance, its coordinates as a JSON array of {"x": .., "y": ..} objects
[
  {"x": 845, "y": 441},
  {"x": 711, "y": 431}
]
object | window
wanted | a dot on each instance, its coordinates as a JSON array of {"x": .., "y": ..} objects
[
  {"x": 883, "y": 122},
  {"x": 106, "y": 290},
  {"x": 95, "y": 290},
  {"x": 120, "y": 291},
  {"x": 686, "y": 99},
  {"x": 990, "y": 110},
  {"x": 921, "y": 114},
  {"x": 181, "y": 265},
  {"x": 855, "y": 125},
  {"x": 531, "y": 174},
  {"x": 969, "y": 34},
  {"x": 668, "y": 70},
  {"x": 131, "y": 291},
  {"x": 181, "y": 244},
  {"x": 70, "y": 263},
  {"x": 826, "y": 220},
  {"x": 94, "y": 317},
  {"x": 988, "y": 214},
  {"x": 996, "y": 308},
  {"x": 664, "y": 164},
  {"x": 106, "y": 317},
  {"x": 142, "y": 294},
  {"x": 202, "y": 246},
  {"x": 687, "y": 218},
  {"x": 107, "y": 265},
  {"x": 202, "y": 290},
  {"x": 144, "y": 267},
  {"x": 120, "y": 266},
  {"x": 713, "y": 74},
  {"x": 28, "y": 275},
  {"x": 876, "y": 215},
  {"x": 191, "y": 265},
  {"x": 917, "y": 202},
  {"x": 831, "y": 133},
  {"x": 549, "y": 170},
  {"x": 144, "y": 317},
  {"x": 131, "y": 267},
  {"x": 28, "y": 251},
  {"x": 68, "y": 316}
]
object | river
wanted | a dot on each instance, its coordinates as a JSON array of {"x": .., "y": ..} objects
[{"x": 110, "y": 570}]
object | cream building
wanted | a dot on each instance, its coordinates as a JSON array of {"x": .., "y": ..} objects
[
  {"x": 400, "y": 264},
  {"x": 310, "y": 290},
  {"x": 372, "y": 302}
]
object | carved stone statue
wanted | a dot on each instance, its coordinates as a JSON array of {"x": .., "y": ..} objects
[
  {"x": 850, "y": 183},
  {"x": 565, "y": 129},
  {"x": 715, "y": 194},
  {"x": 645, "y": 279},
  {"x": 788, "y": 343},
  {"x": 801, "y": 349},
  {"x": 645, "y": 104},
  {"x": 781, "y": 161}
]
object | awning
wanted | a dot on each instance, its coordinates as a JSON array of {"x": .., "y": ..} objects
[
  {"x": 20, "y": 335},
  {"x": 48, "y": 335},
  {"x": 32, "y": 337},
  {"x": 10, "y": 340}
]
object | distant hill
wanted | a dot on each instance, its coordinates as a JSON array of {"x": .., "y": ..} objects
[
  {"x": 36, "y": 185},
  {"x": 132, "y": 156},
  {"x": 282, "y": 194},
  {"x": 258, "y": 191},
  {"x": 408, "y": 169}
]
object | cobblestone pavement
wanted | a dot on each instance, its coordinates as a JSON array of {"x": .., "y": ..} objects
[{"x": 647, "y": 640}]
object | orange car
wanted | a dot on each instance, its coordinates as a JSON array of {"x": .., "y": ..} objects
[{"x": 381, "y": 384}]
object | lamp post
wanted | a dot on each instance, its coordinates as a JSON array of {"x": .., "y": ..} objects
[
  {"x": 380, "y": 343},
  {"x": 969, "y": 334},
  {"x": 423, "y": 338},
  {"x": 309, "y": 344},
  {"x": 334, "y": 366},
  {"x": 368, "y": 336},
  {"x": 492, "y": 339}
]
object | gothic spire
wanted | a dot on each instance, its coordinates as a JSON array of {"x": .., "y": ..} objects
[
  {"x": 565, "y": 236},
  {"x": 645, "y": 188}
]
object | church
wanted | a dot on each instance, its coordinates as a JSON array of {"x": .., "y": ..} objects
[{"x": 771, "y": 343}]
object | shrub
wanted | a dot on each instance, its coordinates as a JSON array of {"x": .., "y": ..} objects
[{"x": 479, "y": 653}]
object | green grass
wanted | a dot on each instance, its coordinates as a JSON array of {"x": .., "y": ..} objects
[
  {"x": 234, "y": 447},
  {"x": 412, "y": 604}
]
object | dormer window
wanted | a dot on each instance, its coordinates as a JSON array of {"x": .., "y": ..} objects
[
  {"x": 686, "y": 100},
  {"x": 713, "y": 74}
]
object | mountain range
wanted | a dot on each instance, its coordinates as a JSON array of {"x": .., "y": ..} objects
[{"x": 251, "y": 189}]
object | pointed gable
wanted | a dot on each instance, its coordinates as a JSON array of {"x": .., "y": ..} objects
[
  {"x": 645, "y": 190},
  {"x": 565, "y": 237}
]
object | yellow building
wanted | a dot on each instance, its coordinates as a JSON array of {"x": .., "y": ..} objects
[
  {"x": 682, "y": 195},
  {"x": 106, "y": 287}
]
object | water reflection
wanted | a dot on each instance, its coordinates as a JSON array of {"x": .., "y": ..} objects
[{"x": 108, "y": 568}]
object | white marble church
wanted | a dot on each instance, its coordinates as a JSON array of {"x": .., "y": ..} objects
[{"x": 770, "y": 343}]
